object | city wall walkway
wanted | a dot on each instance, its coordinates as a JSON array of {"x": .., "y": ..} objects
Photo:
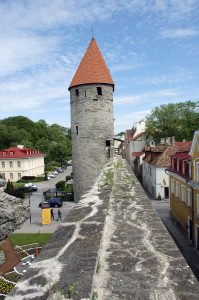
[{"x": 112, "y": 245}]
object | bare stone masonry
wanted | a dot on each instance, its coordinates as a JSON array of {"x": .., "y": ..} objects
[
  {"x": 111, "y": 246},
  {"x": 91, "y": 128}
]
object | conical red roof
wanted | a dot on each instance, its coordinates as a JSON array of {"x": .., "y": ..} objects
[{"x": 92, "y": 68}]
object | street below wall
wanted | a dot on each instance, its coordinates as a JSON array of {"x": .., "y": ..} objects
[
  {"x": 36, "y": 198},
  {"x": 190, "y": 254}
]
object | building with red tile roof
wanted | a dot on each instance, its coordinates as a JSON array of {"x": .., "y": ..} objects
[
  {"x": 19, "y": 161},
  {"x": 184, "y": 188},
  {"x": 157, "y": 159}
]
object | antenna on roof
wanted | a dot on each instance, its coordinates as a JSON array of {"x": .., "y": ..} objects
[{"x": 92, "y": 34}]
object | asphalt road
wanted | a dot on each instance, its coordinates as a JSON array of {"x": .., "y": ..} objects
[{"x": 34, "y": 201}]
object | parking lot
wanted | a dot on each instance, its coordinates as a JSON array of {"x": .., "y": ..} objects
[{"x": 34, "y": 201}]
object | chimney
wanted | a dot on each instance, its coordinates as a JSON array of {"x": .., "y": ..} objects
[
  {"x": 168, "y": 141},
  {"x": 20, "y": 146}
]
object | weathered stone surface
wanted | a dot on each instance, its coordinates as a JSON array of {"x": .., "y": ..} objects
[
  {"x": 93, "y": 116},
  {"x": 12, "y": 214},
  {"x": 117, "y": 248}
]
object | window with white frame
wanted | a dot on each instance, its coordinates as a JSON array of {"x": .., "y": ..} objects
[
  {"x": 11, "y": 164},
  {"x": 3, "y": 164},
  {"x": 177, "y": 190},
  {"x": 189, "y": 193},
  {"x": 183, "y": 193},
  {"x": 19, "y": 164},
  {"x": 198, "y": 205},
  {"x": 172, "y": 185},
  {"x": 11, "y": 175},
  {"x": 19, "y": 175}
]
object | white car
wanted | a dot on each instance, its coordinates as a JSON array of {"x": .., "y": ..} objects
[
  {"x": 55, "y": 173},
  {"x": 51, "y": 175},
  {"x": 28, "y": 184}
]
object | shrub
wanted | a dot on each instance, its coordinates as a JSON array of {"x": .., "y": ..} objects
[
  {"x": 60, "y": 185},
  {"x": 68, "y": 188},
  {"x": 28, "y": 178},
  {"x": 68, "y": 177},
  {"x": 9, "y": 188}
]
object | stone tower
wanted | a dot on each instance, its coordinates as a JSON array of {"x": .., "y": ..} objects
[{"x": 91, "y": 95}]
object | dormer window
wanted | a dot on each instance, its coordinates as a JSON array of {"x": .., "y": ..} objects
[
  {"x": 11, "y": 153},
  {"x": 99, "y": 91},
  {"x": 4, "y": 153},
  {"x": 77, "y": 92}
]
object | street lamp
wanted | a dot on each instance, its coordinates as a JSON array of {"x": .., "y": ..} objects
[{"x": 30, "y": 207}]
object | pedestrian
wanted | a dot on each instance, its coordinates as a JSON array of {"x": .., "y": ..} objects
[
  {"x": 52, "y": 214},
  {"x": 59, "y": 215}
]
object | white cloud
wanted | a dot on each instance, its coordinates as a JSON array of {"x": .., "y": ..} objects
[
  {"x": 179, "y": 33},
  {"x": 147, "y": 97},
  {"x": 125, "y": 121},
  {"x": 174, "y": 78}
]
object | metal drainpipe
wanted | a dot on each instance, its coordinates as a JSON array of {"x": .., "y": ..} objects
[{"x": 193, "y": 220}]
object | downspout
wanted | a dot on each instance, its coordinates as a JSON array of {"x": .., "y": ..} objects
[
  {"x": 192, "y": 209},
  {"x": 192, "y": 215}
]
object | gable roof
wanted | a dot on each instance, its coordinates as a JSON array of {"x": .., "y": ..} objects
[
  {"x": 129, "y": 134},
  {"x": 164, "y": 158},
  {"x": 92, "y": 68},
  {"x": 196, "y": 133},
  {"x": 136, "y": 136}
]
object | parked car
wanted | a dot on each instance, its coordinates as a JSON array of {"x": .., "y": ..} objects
[
  {"x": 31, "y": 187},
  {"x": 51, "y": 175},
  {"x": 55, "y": 173},
  {"x": 70, "y": 181},
  {"x": 55, "y": 202},
  {"x": 44, "y": 204}
]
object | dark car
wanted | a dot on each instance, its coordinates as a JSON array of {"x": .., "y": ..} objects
[
  {"x": 44, "y": 204},
  {"x": 55, "y": 202}
]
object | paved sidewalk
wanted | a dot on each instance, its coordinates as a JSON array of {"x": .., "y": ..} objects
[{"x": 189, "y": 253}]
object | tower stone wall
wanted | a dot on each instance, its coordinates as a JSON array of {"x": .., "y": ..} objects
[{"x": 92, "y": 129}]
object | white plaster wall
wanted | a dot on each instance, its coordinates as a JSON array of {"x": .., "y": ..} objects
[
  {"x": 149, "y": 178},
  {"x": 162, "y": 180},
  {"x": 140, "y": 127}
]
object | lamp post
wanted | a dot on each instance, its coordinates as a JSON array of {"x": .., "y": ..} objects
[{"x": 30, "y": 209}]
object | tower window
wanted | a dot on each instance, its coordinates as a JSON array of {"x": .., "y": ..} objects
[
  {"x": 108, "y": 143},
  {"x": 85, "y": 93},
  {"x": 77, "y": 92},
  {"x": 99, "y": 90},
  {"x": 77, "y": 129}
]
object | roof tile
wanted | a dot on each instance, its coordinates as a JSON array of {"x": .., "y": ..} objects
[{"x": 92, "y": 68}]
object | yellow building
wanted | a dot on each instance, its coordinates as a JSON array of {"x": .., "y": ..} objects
[
  {"x": 184, "y": 189},
  {"x": 18, "y": 161}
]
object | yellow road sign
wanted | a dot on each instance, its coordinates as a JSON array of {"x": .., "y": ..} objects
[{"x": 45, "y": 216}]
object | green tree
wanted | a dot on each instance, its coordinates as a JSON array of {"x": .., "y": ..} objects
[
  {"x": 174, "y": 119},
  {"x": 9, "y": 188}
]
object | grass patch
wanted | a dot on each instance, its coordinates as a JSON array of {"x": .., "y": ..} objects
[
  {"x": 108, "y": 177},
  {"x": 30, "y": 238}
]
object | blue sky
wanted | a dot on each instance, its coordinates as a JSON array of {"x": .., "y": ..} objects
[{"x": 150, "y": 46}]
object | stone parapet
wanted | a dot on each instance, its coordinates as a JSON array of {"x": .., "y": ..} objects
[{"x": 112, "y": 245}]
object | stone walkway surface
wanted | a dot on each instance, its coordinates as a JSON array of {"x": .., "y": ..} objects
[{"x": 111, "y": 246}]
